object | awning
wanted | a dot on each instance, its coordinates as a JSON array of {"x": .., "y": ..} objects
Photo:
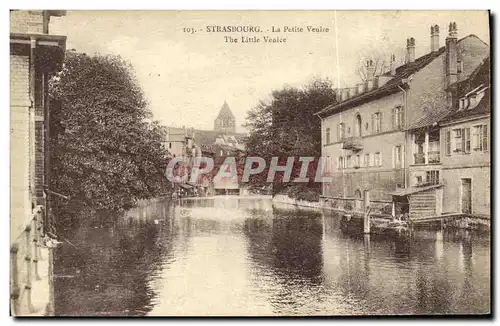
[{"x": 412, "y": 190}]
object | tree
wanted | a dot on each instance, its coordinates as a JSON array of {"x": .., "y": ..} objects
[
  {"x": 287, "y": 127},
  {"x": 380, "y": 59},
  {"x": 106, "y": 154}
]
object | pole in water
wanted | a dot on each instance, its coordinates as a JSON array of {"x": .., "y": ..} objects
[{"x": 366, "y": 218}]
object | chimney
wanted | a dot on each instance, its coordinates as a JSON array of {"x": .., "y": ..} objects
[
  {"x": 354, "y": 91},
  {"x": 361, "y": 88},
  {"x": 393, "y": 65},
  {"x": 339, "y": 95},
  {"x": 410, "y": 50},
  {"x": 347, "y": 94},
  {"x": 451, "y": 64},
  {"x": 370, "y": 72},
  {"x": 434, "y": 38}
]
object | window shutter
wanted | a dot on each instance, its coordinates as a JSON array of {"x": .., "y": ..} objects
[
  {"x": 401, "y": 117},
  {"x": 394, "y": 157},
  {"x": 373, "y": 123},
  {"x": 394, "y": 125},
  {"x": 380, "y": 122},
  {"x": 485, "y": 137},
  {"x": 448, "y": 142},
  {"x": 463, "y": 140},
  {"x": 467, "y": 140}
]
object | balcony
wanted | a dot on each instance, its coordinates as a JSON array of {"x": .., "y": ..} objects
[
  {"x": 432, "y": 157},
  {"x": 352, "y": 143},
  {"x": 419, "y": 158}
]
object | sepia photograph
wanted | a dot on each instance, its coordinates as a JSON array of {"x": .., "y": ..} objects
[{"x": 238, "y": 163}]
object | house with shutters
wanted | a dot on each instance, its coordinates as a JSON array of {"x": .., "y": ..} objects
[
  {"x": 465, "y": 142},
  {"x": 382, "y": 135}
]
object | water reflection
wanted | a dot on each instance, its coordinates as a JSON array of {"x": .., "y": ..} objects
[{"x": 236, "y": 256}]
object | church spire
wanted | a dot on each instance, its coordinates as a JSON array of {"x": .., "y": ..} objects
[{"x": 225, "y": 120}]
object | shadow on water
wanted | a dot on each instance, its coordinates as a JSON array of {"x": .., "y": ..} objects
[
  {"x": 109, "y": 271},
  {"x": 261, "y": 258}
]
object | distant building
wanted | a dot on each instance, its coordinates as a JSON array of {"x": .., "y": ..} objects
[{"x": 225, "y": 121}]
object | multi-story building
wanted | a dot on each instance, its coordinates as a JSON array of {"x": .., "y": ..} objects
[
  {"x": 368, "y": 138},
  {"x": 34, "y": 57},
  {"x": 465, "y": 144}
]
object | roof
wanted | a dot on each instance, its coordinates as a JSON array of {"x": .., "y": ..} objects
[
  {"x": 225, "y": 112},
  {"x": 481, "y": 75},
  {"x": 430, "y": 118},
  {"x": 482, "y": 108},
  {"x": 412, "y": 190},
  {"x": 399, "y": 79}
]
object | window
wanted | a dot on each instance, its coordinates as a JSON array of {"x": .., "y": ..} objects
[
  {"x": 349, "y": 161},
  {"x": 466, "y": 140},
  {"x": 340, "y": 163},
  {"x": 447, "y": 146},
  {"x": 480, "y": 138},
  {"x": 327, "y": 138},
  {"x": 377, "y": 122},
  {"x": 397, "y": 117},
  {"x": 357, "y": 161},
  {"x": 341, "y": 131},
  {"x": 462, "y": 140},
  {"x": 458, "y": 140},
  {"x": 367, "y": 160},
  {"x": 397, "y": 156},
  {"x": 169, "y": 145},
  {"x": 378, "y": 159},
  {"x": 357, "y": 126},
  {"x": 419, "y": 179},
  {"x": 432, "y": 177}
]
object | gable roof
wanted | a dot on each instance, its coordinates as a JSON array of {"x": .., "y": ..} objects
[
  {"x": 392, "y": 86},
  {"x": 225, "y": 112}
]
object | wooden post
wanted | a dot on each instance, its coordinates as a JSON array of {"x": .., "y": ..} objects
[
  {"x": 393, "y": 209},
  {"x": 366, "y": 204}
]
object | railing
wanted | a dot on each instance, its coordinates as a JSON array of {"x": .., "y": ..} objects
[
  {"x": 419, "y": 158},
  {"x": 432, "y": 157},
  {"x": 355, "y": 205},
  {"x": 25, "y": 255}
]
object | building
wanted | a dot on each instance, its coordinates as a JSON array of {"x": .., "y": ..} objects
[
  {"x": 371, "y": 137},
  {"x": 34, "y": 57},
  {"x": 178, "y": 141},
  {"x": 225, "y": 120},
  {"x": 465, "y": 143}
]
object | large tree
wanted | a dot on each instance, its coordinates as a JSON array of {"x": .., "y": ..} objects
[
  {"x": 286, "y": 126},
  {"x": 106, "y": 154}
]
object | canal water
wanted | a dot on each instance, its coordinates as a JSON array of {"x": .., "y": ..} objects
[{"x": 243, "y": 256}]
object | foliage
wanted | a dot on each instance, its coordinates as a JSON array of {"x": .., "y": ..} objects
[
  {"x": 286, "y": 127},
  {"x": 106, "y": 154}
]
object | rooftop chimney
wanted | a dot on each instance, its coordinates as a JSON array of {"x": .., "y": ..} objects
[
  {"x": 410, "y": 50},
  {"x": 451, "y": 60},
  {"x": 370, "y": 74},
  {"x": 361, "y": 88},
  {"x": 434, "y": 38},
  {"x": 393, "y": 65}
]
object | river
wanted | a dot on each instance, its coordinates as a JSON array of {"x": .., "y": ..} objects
[{"x": 243, "y": 256}]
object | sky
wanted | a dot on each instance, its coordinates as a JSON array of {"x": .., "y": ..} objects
[{"x": 187, "y": 77}]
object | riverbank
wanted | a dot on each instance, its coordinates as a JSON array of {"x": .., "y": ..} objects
[{"x": 467, "y": 222}]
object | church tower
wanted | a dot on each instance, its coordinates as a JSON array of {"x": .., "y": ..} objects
[{"x": 225, "y": 121}]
